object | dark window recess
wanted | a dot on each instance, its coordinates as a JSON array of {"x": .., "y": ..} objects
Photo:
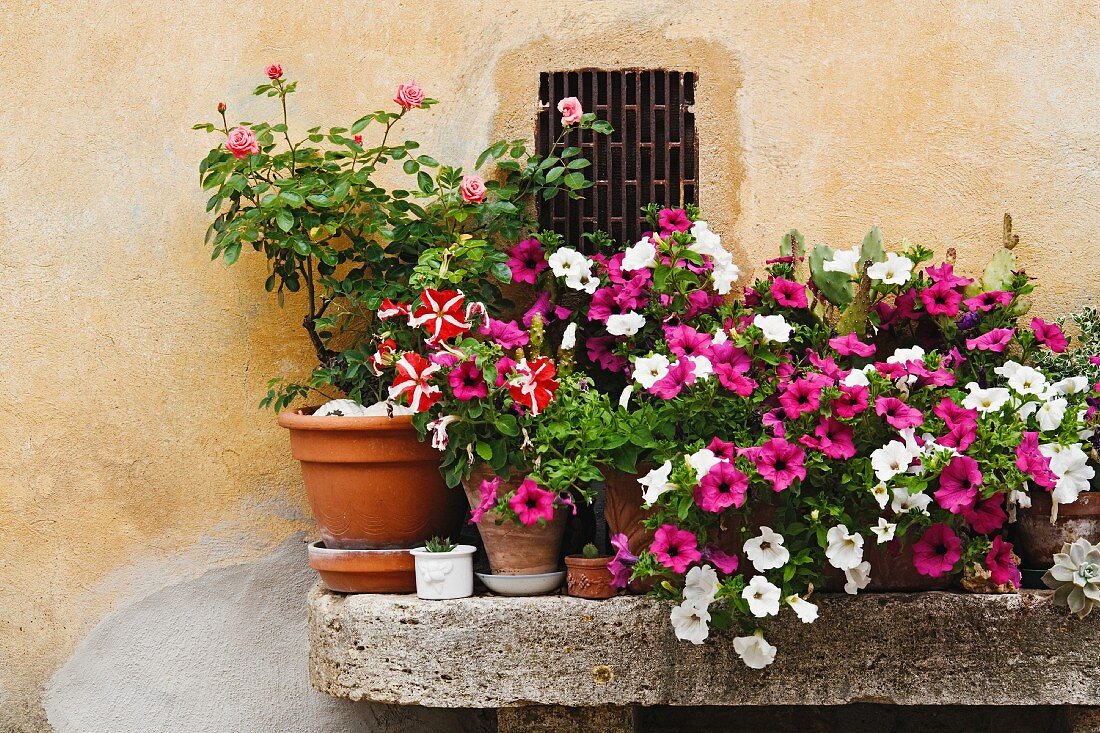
[{"x": 652, "y": 157}]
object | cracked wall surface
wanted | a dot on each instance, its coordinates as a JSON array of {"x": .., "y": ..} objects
[{"x": 135, "y": 463}]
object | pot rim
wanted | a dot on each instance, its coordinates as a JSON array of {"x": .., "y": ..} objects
[
  {"x": 580, "y": 561},
  {"x": 459, "y": 551},
  {"x": 301, "y": 418}
]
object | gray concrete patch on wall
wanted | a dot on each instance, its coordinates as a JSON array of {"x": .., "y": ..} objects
[{"x": 226, "y": 651}]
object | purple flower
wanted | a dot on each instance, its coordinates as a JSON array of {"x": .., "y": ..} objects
[
  {"x": 622, "y": 565},
  {"x": 506, "y": 333},
  {"x": 968, "y": 321},
  {"x": 526, "y": 260}
]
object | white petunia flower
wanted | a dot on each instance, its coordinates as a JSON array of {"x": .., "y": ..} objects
[
  {"x": 567, "y": 261},
  {"x": 701, "y": 585},
  {"x": 845, "y": 550},
  {"x": 895, "y": 270},
  {"x": 890, "y": 460},
  {"x": 766, "y": 552},
  {"x": 625, "y": 324},
  {"x": 724, "y": 274},
  {"x": 624, "y": 397},
  {"x": 844, "y": 260},
  {"x": 583, "y": 280},
  {"x": 720, "y": 336},
  {"x": 884, "y": 531},
  {"x": 806, "y": 611},
  {"x": 438, "y": 428},
  {"x": 763, "y": 597},
  {"x": 1050, "y": 414},
  {"x": 985, "y": 401},
  {"x": 1071, "y": 466},
  {"x": 569, "y": 338},
  {"x": 1071, "y": 385},
  {"x": 706, "y": 242},
  {"x": 1027, "y": 410},
  {"x": 857, "y": 578},
  {"x": 639, "y": 256},
  {"x": 1021, "y": 499},
  {"x": 904, "y": 355},
  {"x": 903, "y": 501},
  {"x": 1027, "y": 381},
  {"x": 1007, "y": 369},
  {"x": 690, "y": 621},
  {"x": 775, "y": 328},
  {"x": 703, "y": 367},
  {"x": 754, "y": 651},
  {"x": 649, "y": 370},
  {"x": 656, "y": 483},
  {"x": 856, "y": 378},
  {"x": 702, "y": 461},
  {"x": 881, "y": 493}
]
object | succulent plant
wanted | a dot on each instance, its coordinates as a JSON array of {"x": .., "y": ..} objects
[
  {"x": 439, "y": 544},
  {"x": 1075, "y": 577},
  {"x": 590, "y": 552}
]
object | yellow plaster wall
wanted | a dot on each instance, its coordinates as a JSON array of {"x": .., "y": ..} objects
[{"x": 133, "y": 455}]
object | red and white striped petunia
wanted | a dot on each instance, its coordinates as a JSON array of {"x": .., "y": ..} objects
[
  {"x": 389, "y": 310},
  {"x": 441, "y": 314},
  {"x": 412, "y": 382},
  {"x": 533, "y": 385},
  {"x": 384, "y": 356}
]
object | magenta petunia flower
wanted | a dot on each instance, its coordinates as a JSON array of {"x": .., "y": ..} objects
[
  {"x": 1049, "y": 334},
  {"x": 733, "y": 356},
  {"x": 673, "y": 220},
  {"x": 489, "y": 488},
  {"x": 937, "y": 551},
  {"x": 680, "y": 375},
  {"x": 897, "y": 413},
  {"x": 701, "y": 301},
  {"x": 995, "y": 340},
  {"x": 789, "y": 294},
  {"x": 986, "y": 516},
  {"x": 734, "y": 380},
  {"x": 633, "y": 294},
  {"x": 833, "y": 438},
  {"x": 675, "y": 548},
  {"x": 506, "y": 333},
  {"x": 800, "y": 397},
  {"x": 781, "y": 463},
  {"x": 686, "y": 341},
  {"x": 541, "y": 307},
  {"x": 1032, "y": 462},
  {"x": 526, "y": 260},
  {"x": 504, "y": 370},
  {"x": 850, "y": 344},
  {"x": 945, "y": 274},
  {"x": 941, "y": 299},
  {"x": 604, "y": 304},
  {"x": 831, "y": 372},
  {"x": 954, "y": 414},
  {"x": 600, "y": 352},
  {"x": 959, "y": 436},
  {"x": 532, "y": 503},
  {"x": 853, "y": 400},
  {"x": 722, "y": 448},
  {"x": 959, "y": 485},
  {"x": 722, "y": 487},
  {"x": 466, "y": 381},
  {"x": 1001, "y": 564},
  {"x": 986, "y": 302},
  {"x": 622, "y": 565},
  {"x": 724, "y": 562}
]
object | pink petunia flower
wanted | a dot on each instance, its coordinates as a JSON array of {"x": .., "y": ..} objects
[
  {"x": 599, "y": 349},
  {"x": 897, "y": 413},
  {"x": 959, "y": 485},
  {"x": 686, "y": 341},
  {"x": 724, "y": 562},
  {"x": 605, "y": 304},
  {"x": 959, "y": 436},
  {"x": 622, "y": 565},
  {"x": 467, "y": 383},
  {"x": 680, "y": 375},
  {"x": 1001, "y": 564},
  {"x": 988, "y": 515},
  {"x": 789, "y": 294},
  {"x": 505, "y": 367},
  {"x": 506, "y": 333},
  {"x": 673, "y": 220},
  {"x": 1049, "y": 334},
  {"x": 853, "y": 400},
  {"x": 937, "y": 551},
  {"x": 954, "y": 414},
  {"x": 995, "y": 340},
  {"x": 675, "y": 548},
  {"x": 850, "y": 344},
  {"x": 800, "y": 397},
  {"x": 1033, "y": 463},
  {"x": 986, "y": 302},
  {"x": 941, "y": 299},
  {"x": 723, "y": 486},
  {"x": 526, "y": 261},
  {"x": 723, "y": 449},
  {"x": 945, "y": 274},
  {"x": 489, "y": 489},
  {"x": 781, "y": 463},
  {"x": 833, "y": 438},
  {"x": 532, "y": 503}
]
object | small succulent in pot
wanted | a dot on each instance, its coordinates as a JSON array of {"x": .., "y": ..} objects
[
  {"x": 587, "y": 574},
  {"x": 439, "y": 544},
  {"x": 590, "y": 552},
  {"x": 1075, "y": 577}
]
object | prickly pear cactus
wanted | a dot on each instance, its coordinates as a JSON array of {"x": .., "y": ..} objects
[{"x": 836, "y": 287}]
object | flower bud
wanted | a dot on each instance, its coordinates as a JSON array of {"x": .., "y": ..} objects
[{"x": 221, "y": 107}]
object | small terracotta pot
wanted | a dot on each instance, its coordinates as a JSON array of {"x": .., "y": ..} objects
[
  {"x": 892, "y": 570},
  {"x": 1036, "y": 539},
  {"x": 515, "y": 549},
  {"x": 363, "y": 571},
  {"x": 371, "y": 483},
  {"x": 588, "y": 577}
]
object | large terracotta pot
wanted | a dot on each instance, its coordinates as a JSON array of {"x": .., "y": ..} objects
[
  {"x": 371, "y": 483},
  {"x": 1036, "y": 539},
  {"x": 516, "y": 549},
  {"x": 623, "y": 509}
]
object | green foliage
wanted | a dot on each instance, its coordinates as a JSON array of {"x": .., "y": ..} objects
[
  {"x": 590, "y": 552},
  {"x": 793, "y": 245},
  {"x": 439, "y": 544},
  {"x": 835, "y": 286}
]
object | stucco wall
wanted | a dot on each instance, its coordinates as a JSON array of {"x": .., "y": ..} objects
[{"x": 134, "y": 463}]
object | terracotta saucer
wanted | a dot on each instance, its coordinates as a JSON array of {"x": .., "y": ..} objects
[{"x": 364, "y": 571}]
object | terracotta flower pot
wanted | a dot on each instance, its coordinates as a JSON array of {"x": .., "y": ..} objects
[
  {"x": 588, "y": 577},
  {"x": 892, "y": 570},
  {"x": 1036, "y": 539},
  {"x": 371, "y": 483},
  {"x": 363, "y": 571},
  {"x": 516, "y": 549},
  {"x": 624, "y": 514}
]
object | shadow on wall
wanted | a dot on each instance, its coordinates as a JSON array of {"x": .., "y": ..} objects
[{"x": 226, "y": 651}]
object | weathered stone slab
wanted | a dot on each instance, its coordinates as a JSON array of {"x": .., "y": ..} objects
[{"x": 906, "y": 649}]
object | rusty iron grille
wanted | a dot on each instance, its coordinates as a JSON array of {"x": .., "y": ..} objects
[{"x": 652, "y": 157}]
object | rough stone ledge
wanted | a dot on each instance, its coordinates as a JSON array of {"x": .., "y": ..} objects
[{"x": 905, "y": 649}]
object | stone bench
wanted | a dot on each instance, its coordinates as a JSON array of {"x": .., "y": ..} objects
[{"x": 589, "y": 664}]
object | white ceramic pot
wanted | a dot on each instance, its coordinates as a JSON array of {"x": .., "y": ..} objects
[{"x": 443, "y": 575}]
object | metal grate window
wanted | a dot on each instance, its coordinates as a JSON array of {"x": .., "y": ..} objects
[{"x": 652, "y": 157}]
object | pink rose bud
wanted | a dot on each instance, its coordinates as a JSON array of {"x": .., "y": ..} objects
[
  {"x": 358, "y": 139},
  {"x": 242, "y": 142},
  {"x": 571, "y": 111},
  {"x": 472, "y": 189},
  {"x": 409, "y": 95},
  {"x": 221, "y": 107},
  {"x": 274, "y": 71}
]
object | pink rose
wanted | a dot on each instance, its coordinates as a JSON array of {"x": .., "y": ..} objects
[
  {"x": 571, "y": 111},
  {"x": 472, "y": 189},
  {"x": 274, "y": 71},
  {"x": 409, "y": 95},
  {"x": 242, "y": 142}
]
